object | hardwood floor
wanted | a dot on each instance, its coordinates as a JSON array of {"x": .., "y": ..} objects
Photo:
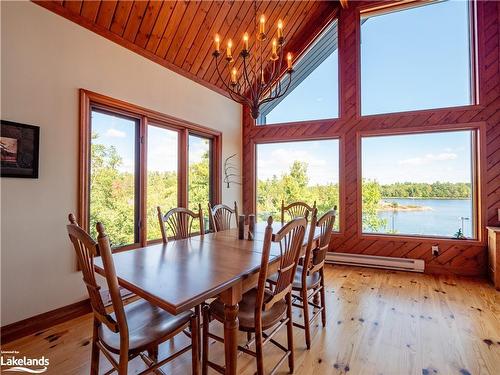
[{"x": 379, "y": 322}]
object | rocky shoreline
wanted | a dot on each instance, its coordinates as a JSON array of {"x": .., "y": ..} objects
[{"x": 392, "y": 206}]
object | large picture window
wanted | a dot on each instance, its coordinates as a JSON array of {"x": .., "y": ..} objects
[
  {"x": 135, "y": 160},
  {"x": 297, "y": 171},
  {"x": 419, "y": 184},
  {"x": 416, "y": 58}
]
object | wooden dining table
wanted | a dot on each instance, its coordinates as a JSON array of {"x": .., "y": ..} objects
[{"x": 182, "y": 274}]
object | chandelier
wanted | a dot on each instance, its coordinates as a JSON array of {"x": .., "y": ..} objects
[{"x": 260, "y": 81}]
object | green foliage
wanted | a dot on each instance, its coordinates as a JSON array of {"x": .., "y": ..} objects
[
  {"x": 371, "y": 195},
  {"x": 199, "y": 187},
  {"x": 449, "y": 190},
  {"x": 162, "y": 191},
  {"x": 459, "y": 234},
  {"x": 111, "y": 195},
  {"x": 291, "y": 187},
  {"x": 199, "y": 183}
]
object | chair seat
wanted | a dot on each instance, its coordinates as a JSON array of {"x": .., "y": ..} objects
[
  {"x": 246, "y": 314},
  {"x": 312, "y": 281},
  {"x": 147, "y": 324}
]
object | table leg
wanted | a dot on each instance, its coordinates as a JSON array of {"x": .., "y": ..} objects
[
  {"x": 231, "y": 324},
  {"x": 231, "y": 298}
]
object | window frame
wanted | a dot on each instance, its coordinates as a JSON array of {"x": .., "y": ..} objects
[
  {"x": 137, "y": 159},
  {"x": 313, "y": 47},
  {"x": 90, "y": 101},
  {"x": 381, "y": 8},
  {"x": 478, "y": 163},
  {"x": 342, "y": 199}
]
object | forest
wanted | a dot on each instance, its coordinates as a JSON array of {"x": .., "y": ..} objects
[
  {"x": 442, "y": 190},
  {"x": 112, "y": 194}
]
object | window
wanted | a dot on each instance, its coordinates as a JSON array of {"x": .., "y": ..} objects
[
  {"x": 136, "y": 160},
  {"x": 163, "y": 159},
  {"x": 419, "y": 184},
  {"x": 416, "y": 58},
  {"x": 313, "y": 93},
  {"x": 199, "y": 177},
  {"x": 114, "y": 177},
  {"x": 199, "y": 186},
  {"x": 297, "y": 171}
]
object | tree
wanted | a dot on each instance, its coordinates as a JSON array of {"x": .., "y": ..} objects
[
  {"x": 199, "y": 186},
  {"x": 111, "y": 195},
  {"x": 291, "y": 187},
  {"x": 371, "y": 196}
]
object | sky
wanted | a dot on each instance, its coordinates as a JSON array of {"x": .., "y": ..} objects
[
  {"x": 412, "y": 59},
  {"x": 162, "y": 143},
  {"x": 418, "y": 157},
  {"x": 320, "y": 156}
]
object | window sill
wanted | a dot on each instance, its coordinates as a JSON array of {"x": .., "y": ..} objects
[{"x": 416, "y": 238}]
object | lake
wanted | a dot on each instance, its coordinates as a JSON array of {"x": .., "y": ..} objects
[{"x": 442, "y": 219}]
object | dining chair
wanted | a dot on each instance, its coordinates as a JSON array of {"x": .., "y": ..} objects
[
  {"x": 296, "y": 209},
  {"x": 309, "y": 279},
  {"x": 132, "y": 330},
  {"x": 261, "y": 309},
  {"x": 179, "y": 221},
  {"x": 220, "y": 216}
]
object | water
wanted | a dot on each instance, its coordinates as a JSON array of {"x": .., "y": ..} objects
[{"x": 444, "y": 218}]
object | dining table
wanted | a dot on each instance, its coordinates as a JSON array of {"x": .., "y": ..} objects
[{"x": 180, "y": 275}]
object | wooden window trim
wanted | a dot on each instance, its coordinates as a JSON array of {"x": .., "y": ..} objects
[
  {"x": 384, "y": 7},
  {"x": 478, "y": 169},
  {"x": 90, "y": 100}
]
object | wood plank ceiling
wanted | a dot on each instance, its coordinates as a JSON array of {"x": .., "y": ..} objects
[{"x": 179, "y": 34}]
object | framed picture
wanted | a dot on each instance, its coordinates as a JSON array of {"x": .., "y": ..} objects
[{"x": 19, "y": 146}]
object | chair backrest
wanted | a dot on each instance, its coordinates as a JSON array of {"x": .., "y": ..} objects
[
  {"x": 86, "y": 250},
  {"x": 220, "y": 216},
  {"x": 296, "y": 209},
  {"x": 289, "y": 240},
  {"x": 179, "y": 221},
  {"x": 314, "y": 258}
]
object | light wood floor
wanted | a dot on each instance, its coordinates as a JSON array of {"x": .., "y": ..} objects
[{"x": 379, "y": 322}]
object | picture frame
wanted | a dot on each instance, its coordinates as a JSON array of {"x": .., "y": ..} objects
[{"x": 19, "y": 150}]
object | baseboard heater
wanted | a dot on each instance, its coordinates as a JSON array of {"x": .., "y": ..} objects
[{"x": 401, "y": 264}]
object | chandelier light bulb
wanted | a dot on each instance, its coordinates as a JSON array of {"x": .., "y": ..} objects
[
  {"x": 262, "y": 25},
  {"x": 280, "y": 29},
  {"x": 261, "y": 79},
  {"x": 228, "y": 51},
  {"x": 217, "y": 42},
  {"x": 245, "y": 41}
]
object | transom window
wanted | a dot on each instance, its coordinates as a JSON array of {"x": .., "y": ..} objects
[
  {"x": 313, "y": 94},
  {"x": 416, "y": 58}
]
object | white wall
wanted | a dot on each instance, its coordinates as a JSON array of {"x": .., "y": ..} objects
[{"x": 45, "y": 60}]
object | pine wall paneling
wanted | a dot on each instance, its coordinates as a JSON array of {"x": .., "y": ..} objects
[{"x": 463, "y": 257}]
